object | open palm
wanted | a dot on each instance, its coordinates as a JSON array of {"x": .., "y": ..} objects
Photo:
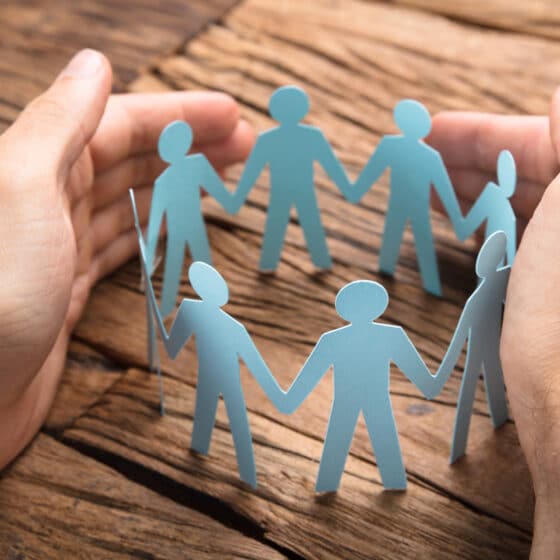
[{"x": 67, "y": 164}]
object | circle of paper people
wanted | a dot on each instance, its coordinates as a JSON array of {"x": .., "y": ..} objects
[{"x": 360, "y": 352}]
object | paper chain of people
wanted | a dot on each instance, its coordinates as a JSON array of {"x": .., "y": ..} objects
[{"x": 360, "y": 353}]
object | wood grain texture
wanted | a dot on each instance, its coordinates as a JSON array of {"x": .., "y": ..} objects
[
  {"x": 356, "y": 59},
  {"x": 57, "y": 503},
  {"x": 39, "y": 37},
  {"x": 87, "y": 376},
  {"x": 534, "y": 17}
]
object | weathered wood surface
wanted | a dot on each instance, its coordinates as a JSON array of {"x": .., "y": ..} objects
[
  {"x": 58, "y": 503},
  {"x": 533, "y": 17},
  {"x": 356, "y": 59},
  {"x": 39, "y": 37}
]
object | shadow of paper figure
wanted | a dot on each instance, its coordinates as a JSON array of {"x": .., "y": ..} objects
[
  {"x": 360, "y": 354},
  {"x": 415, "y": 167},
  {"x": 290, "y": 151},
  {"x": 220, "y": 341},
  {"x": 480, "y": 324},
  {"x": 493, "y": 206},
  {"x": 177, "y": 198}
]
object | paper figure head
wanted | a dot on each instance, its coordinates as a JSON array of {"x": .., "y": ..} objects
[
  {"x": 289, "y": 105},
  {"x": 208, "y": 283},
  {"x": 507, "y": 175},
  {"x": 361, "y": 301},
  {"x": 491, "y": 254},
  {"x": 412, "y": 118},
  {"x": 175, "y": 141}
]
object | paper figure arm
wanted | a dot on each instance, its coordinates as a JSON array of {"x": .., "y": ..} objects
[
  {"x": 315, "y": 367},
  {"x": 257, "y": 366},
  {"x": 476, "y": 216},
  {"x": 331, "y": 164},
  {"x": 409, "y": 361},
  {"x": 213, "y": 185},
  {"x": 181, "y": 329},
  {"x": 446, "y": 192},
  {"x": 157, "y": 211},
  {"x": 452, "y": 355},
  {"x": 253, "y": 168},
  {"x": 373, "y": 169}
]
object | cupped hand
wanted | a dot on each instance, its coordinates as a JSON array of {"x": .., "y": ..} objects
[
  {"x": 65, "y": 168},
  {"x": 530, "y": 345}
]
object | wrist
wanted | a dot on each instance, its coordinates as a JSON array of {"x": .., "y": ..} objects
[{"x": 546, "y": 535}]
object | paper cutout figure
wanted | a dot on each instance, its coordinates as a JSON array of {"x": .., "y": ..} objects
[
  {"x": 290, "y": 150},
  {"x": 481, "y": 324},
  {"x": 360, "y": 354},
  {"x": 177, "y": 198},
  {"x": 494, "y": 206},
  {"x": 220, "y": 342},
  {"x": 415, "y": 167}
]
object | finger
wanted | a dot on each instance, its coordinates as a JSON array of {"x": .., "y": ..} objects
[
  {"x": 554, "y": 119},
  {"x": 110, "y": 186},
  {"x": 117, "y": 218},
  {"x": 474, "y": 140},
  {"x": 231, "y": 150},
  {"x": 143, "y": 169},
  {"x": 469, "y": 184},
  {"x": 132, "y": 123},
  {"x": 58, "y": 124},
  {"x": 114, "y": 255}
]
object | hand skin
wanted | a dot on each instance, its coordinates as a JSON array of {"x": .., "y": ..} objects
[
  {"x": 530, "y": 345},
  {"x": 65, "y": 168}
]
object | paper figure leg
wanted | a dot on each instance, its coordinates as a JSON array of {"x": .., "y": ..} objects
[
  {"x": 464, "y": 409},
  {"x": 426, "y": 255},
  {"x": 174, "y": 256},
  {"x": 237, "y": 413},
  {"x": 395, "y": 222},
  {"x": 204, "y": 416},
  {"x": 495, "y": 390},
  {"x": 199, "y": 245},
  {"x": 340, "y": 432},
  {"x": 274, "y": 233},
  {"x": 384, "y": 438},
  {"x": 314, "y": 233}
]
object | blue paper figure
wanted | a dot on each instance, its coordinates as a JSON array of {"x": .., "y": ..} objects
[
  {"x": 220, "y": 341},
  {"x": 177, "y": 198},
  {"x": 360, "y": 354},
  {"x": 494, "y": 206},
  {"x": 481, "y": 324},
  {"x": 415, "y": 167},
  {"x": 291, "y": 150}
]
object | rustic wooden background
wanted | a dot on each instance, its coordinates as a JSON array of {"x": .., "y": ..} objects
[{"x": 107, "y": 477}]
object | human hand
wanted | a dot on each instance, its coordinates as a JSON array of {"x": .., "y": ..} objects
[
  {"x": 65, "y": 167},
  {"x": 530, "y": 348},
  {"x": 471, "y": 142},
  {"x": 530, "y": 354}
]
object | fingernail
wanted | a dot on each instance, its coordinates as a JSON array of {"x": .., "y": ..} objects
[{"x": 83, "y": 64}]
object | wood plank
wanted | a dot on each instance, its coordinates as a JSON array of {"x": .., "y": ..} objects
[
  {"x": 86, "y": 510},
  {"x": 360, "y": 521},
  {"x": 87, "y": 376},
  {"x": 534, "y": 18},
  {"x": 39, "y": 37}
]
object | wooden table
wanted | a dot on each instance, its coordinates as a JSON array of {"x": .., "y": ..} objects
[{"x": 107, "y": 477}]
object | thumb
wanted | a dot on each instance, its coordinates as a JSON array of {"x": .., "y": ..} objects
[
  {"x": 554, "y": 118},
  {"x": 58, "y": 124}
]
